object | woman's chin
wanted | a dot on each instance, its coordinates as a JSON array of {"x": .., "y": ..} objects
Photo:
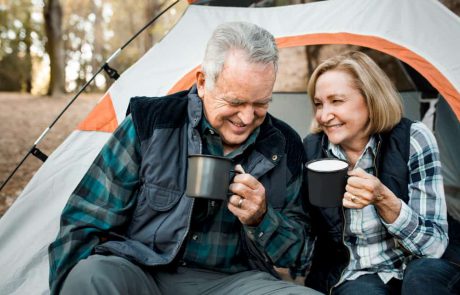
[{"x": 334, "y": 139}]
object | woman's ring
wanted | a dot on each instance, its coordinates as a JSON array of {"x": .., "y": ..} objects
[
  {"x": 240, "y": 202},
  {"x": 353, "y": 198}
]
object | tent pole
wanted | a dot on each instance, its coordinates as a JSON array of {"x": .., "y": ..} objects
[
  {"x": 112, "y": 73},
  {"x": 44, "y": 133}
]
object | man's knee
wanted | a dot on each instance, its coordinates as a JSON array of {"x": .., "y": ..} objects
[
  {"x": 106, "y": 274},
  {"x": 91, "y": 273}
]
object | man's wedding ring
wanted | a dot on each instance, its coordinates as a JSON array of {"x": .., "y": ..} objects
[{"x": 240, "y": 202}]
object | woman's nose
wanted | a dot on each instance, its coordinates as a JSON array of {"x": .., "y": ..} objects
[{"x": 326, "y": 114}]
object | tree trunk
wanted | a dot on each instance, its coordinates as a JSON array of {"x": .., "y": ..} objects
[
  {"x": 149, "y": 12},
  {"x": 28, "y": 53},
  {"x": 55, "y": 46},
  {"x": 98, "y": 42}
]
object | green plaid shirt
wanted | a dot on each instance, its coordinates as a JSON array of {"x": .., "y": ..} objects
[
  {"x": 103, "y": 202},
  {"x": 213, "y": 240}
]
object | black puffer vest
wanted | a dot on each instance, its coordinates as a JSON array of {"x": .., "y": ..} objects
[
  {"x": 331, "y": 256},
  {"x": 167, "y": 129}
]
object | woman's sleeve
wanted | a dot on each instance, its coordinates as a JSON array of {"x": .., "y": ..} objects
[{"x": 421, "y": 226}]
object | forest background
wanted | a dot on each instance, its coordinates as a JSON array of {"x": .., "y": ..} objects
[{"x": 50, "y": 48}]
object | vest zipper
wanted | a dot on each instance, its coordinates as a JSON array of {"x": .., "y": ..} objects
[
  {"x": 343, "y": 241},
  {"x": 344, "y": 220},
  {"x": 326, "y": 152},
  {"x": 375, "y": 159}
]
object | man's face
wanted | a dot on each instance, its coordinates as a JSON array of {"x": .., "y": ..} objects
[{"x": 239, "y": 100}]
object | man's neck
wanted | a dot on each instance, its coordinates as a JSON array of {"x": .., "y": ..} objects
[{"x": 229, "y": 148}]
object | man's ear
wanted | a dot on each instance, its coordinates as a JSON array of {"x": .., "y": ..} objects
[{"x": 200, "y": 83}]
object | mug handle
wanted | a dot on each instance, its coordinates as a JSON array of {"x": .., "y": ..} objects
[{"x": 233, "y": 173}]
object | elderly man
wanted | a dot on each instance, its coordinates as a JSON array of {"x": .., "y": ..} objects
[{"x": 129, "y": 228}]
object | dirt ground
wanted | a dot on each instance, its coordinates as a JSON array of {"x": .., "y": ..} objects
[{"x": 23, "y": 118}]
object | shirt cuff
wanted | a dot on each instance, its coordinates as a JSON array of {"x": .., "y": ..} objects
[
  {"x": 405, "y": 224},
  {"x": 261, "y": 234}
]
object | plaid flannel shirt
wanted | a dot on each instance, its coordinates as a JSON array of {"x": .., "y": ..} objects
[{"x": 421, "y": 227}]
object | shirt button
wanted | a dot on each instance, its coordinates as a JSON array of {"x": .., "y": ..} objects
[
  {"x": 184, "y": 263},
  {"x": 275, "y": 157},
  {"x": 211, "y": 131},
  {"x": 261, "y": 234},
  {"x": 195, "y": 237}
]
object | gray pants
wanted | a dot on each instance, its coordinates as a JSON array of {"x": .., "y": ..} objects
[{"x": 114, "y": 275}]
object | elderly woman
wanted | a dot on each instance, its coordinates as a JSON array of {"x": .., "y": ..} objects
[{"x": 394, "y": 211}]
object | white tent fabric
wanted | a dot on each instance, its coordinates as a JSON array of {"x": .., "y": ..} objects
[
  {"x": 447, "y": 132},
  {"x": 422, "y": 33}
]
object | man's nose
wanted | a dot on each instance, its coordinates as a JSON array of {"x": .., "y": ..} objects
[{"x": 246, "y": 114}]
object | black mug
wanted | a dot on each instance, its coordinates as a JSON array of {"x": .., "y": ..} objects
[
  {"x": 327, "y": 179},
  {"x": 209, "y": 177}
]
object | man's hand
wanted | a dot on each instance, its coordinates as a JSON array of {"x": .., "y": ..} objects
[{"x": 248, "y": 200}]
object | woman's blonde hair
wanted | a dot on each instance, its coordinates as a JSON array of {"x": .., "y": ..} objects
[{"x": 382, "y": 99}]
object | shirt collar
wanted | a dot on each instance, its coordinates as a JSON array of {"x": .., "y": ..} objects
[
  {"x": 195, "y": 107},
  {"x": 338, "y": 152}
]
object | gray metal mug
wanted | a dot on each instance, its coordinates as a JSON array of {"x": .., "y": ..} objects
[{"x": 208, "y": 177}]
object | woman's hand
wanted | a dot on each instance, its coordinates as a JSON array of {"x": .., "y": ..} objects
[{"x": 364, "y": 189}]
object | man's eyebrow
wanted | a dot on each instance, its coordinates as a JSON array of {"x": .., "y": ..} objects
[
  {"x": 236, "y": 99},
  {"x": 233, "y": 100},
  {"x": 266, "y": 100}
]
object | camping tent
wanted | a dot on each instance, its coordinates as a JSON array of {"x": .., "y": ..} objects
[{"x": 423, "y": 34}]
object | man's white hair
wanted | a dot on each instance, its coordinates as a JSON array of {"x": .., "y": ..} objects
[{"x": 258, "y": 44}]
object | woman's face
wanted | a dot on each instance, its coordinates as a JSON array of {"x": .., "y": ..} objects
[{"x": 341, "y": 110}]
